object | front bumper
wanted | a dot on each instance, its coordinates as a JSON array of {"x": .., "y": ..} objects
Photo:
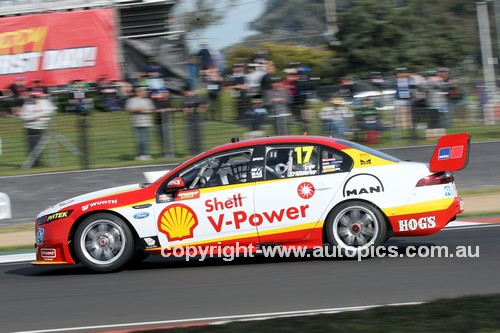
[{"x": 52, "y": 243}]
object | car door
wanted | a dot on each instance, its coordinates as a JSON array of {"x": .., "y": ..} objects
[
  {"x": 214, "y": 205},
  {"x": 298, "y": 185}
]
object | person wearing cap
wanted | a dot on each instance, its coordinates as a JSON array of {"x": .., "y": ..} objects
[
  {"x": 36, "y": 113},
  {"x": 141, "y": 107}
]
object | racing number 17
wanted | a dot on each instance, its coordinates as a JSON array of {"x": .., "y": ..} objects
[{"x": 308, "y": 150}]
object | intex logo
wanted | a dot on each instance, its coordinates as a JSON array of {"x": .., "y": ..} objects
[
  {"x": 422, "y": 223},
  {"x": 99, "y": 203}
]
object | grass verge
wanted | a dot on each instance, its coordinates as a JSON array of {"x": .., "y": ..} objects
[{"x": 465, "y": 314}]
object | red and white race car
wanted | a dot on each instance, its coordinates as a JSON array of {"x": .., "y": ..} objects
[{"x": 285, "y": 191}]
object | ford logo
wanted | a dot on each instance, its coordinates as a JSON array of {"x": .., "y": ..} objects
[{"x": 141, "y": 215}]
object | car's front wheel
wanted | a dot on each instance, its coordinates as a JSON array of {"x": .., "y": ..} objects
[
  {"x": 104, "y": 242},
  {"x": 356, "y": 226}
]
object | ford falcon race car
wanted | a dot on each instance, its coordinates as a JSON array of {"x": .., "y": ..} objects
[{"x": 285, "y": 191}]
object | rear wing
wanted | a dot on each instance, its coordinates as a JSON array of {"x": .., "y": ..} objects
[{"x": 451, "y": 153}]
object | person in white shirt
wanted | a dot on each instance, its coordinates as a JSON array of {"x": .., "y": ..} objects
[
  {"x": 141, "y": 107},
  {"x": 36, "y": 113}
]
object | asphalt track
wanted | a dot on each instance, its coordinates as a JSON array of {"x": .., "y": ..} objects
[
  {"x": 31, "y": 194},
  {"x": 38, "y": 298}
]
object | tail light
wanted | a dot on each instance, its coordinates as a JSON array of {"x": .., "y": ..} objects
[{"x": 437, "y": 179}]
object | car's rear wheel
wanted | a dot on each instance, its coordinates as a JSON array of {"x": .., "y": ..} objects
[
  {"x": 104, "y": 242},
  {"x": 356, "y": 226}
]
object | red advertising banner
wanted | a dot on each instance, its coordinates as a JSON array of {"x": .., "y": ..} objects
[{"x": 59, "y": 47}]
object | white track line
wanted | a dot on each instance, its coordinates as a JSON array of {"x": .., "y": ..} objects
[
  {"x": 224, "y": 319},
  {"x": 11, "y": 258}
]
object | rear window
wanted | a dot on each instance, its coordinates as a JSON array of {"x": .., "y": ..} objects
[{"x": 369, "y": 150}]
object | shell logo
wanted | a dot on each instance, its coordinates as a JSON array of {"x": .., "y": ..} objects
[{"x": 177, "y": 222}]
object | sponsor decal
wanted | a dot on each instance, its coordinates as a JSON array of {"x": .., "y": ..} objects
[
  {"x": 39, "y": 235},
  {"x": 99, "y": 203},
  {"x": 54, "y": 216},
  {"x": 186, "y": 195},
  {"x": 305, "y": 190},
  {"x": 452, "y": 153},
  {"x": 48, "y": 254},
  {"x": 258, "y": 159},
  {"x": 422, "y": 223},
  {"x": 177, "y": 222},
  {"x": 362, "y": 183},
  {"x": 238, "y": 217},
  {"x": 303, "y": 172},
  {"x": 365, "y": 159},
  {"x": 150, "y": 242},
  {"x": 141, "y": 215},
  {"x": 447, "y": 191},
  {"x": 461, "y": 205},
  {"x": 163, "y": 198},
  {"x": 444, "y": 153},
  {"x": 174, "y": 182},
  {"x": 457, "y": 152},
  {"x": 256, "y": 172}
]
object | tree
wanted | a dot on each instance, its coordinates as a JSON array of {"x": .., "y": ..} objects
[
  {"x": 205, "y": 13},
  {"x": 421, "y": 34}
]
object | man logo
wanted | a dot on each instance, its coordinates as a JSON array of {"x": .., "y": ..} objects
[
  {"x": 362, "y": 183},
  {"x": 177, "y": 222}
]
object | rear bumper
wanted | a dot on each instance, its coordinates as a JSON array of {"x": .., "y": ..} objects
[{"x": 427, "y": 222}]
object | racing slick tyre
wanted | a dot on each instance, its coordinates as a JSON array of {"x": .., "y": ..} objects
[
  {"x": 104, "y": 243},
  {"x": 355, "y": 227}
]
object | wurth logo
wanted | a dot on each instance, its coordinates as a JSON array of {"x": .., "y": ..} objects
[{"x": 99, "y": 203}]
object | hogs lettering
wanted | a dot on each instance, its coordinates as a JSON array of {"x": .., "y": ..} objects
[{"x": 414, "y": 224}]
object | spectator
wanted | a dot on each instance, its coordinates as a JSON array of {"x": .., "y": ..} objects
[
  {"x": 266, "y": 83},
  {"x": 253, "y": 79},
  {"x": 205, "y": 56},
  {"x": 213, "y": 83},
  {"x": 36, "y": 113},
  {"x": 107, "y": 94},
  {"x": 334, "y": 118},
  {"x": 236, "y": 84},
  {"x": 257, "y": 114},
  {"x": 154, "y": 74},
  {"x": 141, "y": 107},
  {"x": 163, "y": 120},
  {"x": 402, "y": 102},
  {"x": 276, "y": 100},
  {"x": 18, "y": 90},
  {"x": 437, "y": 101},
  {"x": 79, "y": 96},
  {"x": 194, "y": 106},
  {"x": 39, "y": 88}
]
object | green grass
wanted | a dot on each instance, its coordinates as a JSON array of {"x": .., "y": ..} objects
[{"x": 112, "y": 140}]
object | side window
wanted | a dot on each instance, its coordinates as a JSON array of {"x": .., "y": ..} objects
[
  {"x": 291, "y": 161},
  {"x": 219, "y": 170},
  {"x": 333, "y": 160}
]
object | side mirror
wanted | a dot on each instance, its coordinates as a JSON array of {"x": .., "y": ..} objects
[{"x": 176, "y": 183}]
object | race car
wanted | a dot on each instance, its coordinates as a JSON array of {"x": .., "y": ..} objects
[{"x": 280, "y": 191}]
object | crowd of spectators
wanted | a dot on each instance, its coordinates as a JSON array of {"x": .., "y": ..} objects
[{"x": 262, "y": 94}]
